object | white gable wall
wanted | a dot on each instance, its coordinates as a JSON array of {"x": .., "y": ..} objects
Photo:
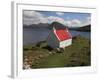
[{"x": 65, "y": 43}]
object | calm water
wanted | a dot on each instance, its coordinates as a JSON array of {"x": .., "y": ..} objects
[{"x": 31, "y": 35}]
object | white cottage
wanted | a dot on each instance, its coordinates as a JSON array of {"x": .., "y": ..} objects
[{"x": 59, "y": 36}]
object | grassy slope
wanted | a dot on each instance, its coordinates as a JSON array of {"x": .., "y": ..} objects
[{"x": 78, "y": 54}]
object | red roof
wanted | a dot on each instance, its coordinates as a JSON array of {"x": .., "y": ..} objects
[{"x": 62, "y": 34}]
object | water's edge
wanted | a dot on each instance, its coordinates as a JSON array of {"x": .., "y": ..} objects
[{"x": 36, "y": 35}]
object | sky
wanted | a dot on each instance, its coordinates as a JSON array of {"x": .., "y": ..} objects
[{"x": 70, "y": 19}]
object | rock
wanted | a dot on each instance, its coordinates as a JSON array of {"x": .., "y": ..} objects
[
  {"x": 41, "y": 56},
  {"x": 30, "y": 62},
  {"x": 26, "y": 65},
  {"x": 26, "y": 59},
  {"x": 59, "y": 50},
  {"x": 50, "y": 52}
]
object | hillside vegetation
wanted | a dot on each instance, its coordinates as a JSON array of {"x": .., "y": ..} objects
[{"x": 42, "y": 56}]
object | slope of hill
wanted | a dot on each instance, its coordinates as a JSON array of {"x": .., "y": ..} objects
[
  {"x": 86, "y": 28},
  {"x": 42, "y": 56},
  {"x": 40, "y": 25},
  {"x": 58, "y": 25},
  {"x": 46, "y": 25}
]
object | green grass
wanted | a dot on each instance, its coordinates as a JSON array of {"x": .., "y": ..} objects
[{"x": 78, "y": 54}]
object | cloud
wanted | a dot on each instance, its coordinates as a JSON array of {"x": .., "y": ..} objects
[
  {"x": 86, "y": 22},
  {"x": 73, "y": 23},
  {"x": 69, "y": 23},
  {"x": 57, "y": 19},
  {"x": 88, "y": 19},
  {"x": 33, "y": 17},
  {"x": 59, "y": 13},
  {"x": 76, "y": 21}
]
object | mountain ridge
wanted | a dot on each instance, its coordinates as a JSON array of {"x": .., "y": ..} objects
[{"x": 85, "y": 28}]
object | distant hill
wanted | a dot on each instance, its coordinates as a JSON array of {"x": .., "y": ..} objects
[
  {"x": 86, "y": 28},
  {"x": 40, "y": 25},
  {"x": 57, "y": 25}
]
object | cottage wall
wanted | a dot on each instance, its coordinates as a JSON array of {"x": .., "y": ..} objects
[
  {"x": 65, "y": 43},
  {"x": 52, "y": 40}
]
